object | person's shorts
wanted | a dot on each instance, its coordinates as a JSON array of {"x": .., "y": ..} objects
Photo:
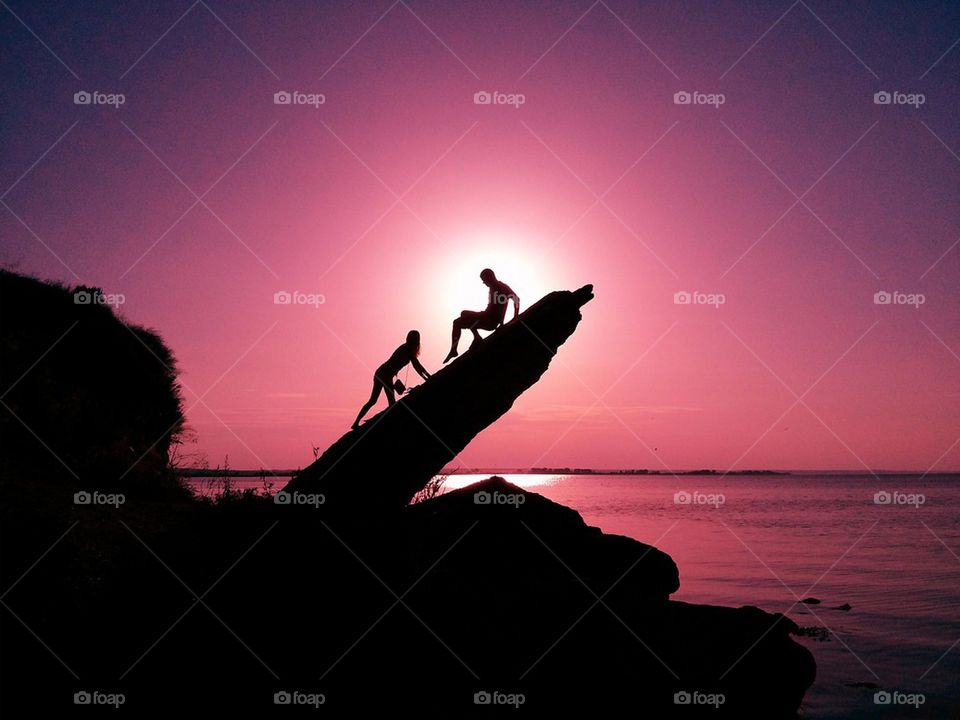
[
  {"x": 480, "y": 320},
  {"x": 384, "y": 378}
]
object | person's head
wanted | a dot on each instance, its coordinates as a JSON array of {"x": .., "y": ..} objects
[
  {"x": 413, "y": 341},
  {"x": 487, "y": 276}
]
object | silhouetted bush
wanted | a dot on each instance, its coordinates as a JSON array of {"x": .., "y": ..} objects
[{"x": 90, "y": 400}]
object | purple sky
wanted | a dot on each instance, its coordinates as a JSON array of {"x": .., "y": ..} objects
[{"x": 783, "y": 198}]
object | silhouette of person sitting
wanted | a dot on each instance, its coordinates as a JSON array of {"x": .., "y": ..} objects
[
  {"x": 489, "y": 319},
  {"x": 384, "y": 375}
]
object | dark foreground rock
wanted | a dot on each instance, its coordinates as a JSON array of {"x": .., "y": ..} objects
[
  {"x": 426, "y": 611},
  {"x": 398, "y": 450}
]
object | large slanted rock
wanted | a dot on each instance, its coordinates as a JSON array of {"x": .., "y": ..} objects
[{"x": 393, "y": 455}]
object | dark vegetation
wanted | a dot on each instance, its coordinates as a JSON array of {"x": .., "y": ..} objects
[{"x": 90, "y": 400}]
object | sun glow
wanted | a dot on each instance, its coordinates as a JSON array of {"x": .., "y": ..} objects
[
  {"x": 462, "y": 289},
  {"x": 523, "y": 480}
]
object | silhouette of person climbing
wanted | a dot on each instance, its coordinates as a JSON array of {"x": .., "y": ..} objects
[
  {"x": 384, "y": 375},
  {"x": 489, "y": 319}
]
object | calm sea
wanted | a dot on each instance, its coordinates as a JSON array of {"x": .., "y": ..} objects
[{"x": 888, "y": 548}]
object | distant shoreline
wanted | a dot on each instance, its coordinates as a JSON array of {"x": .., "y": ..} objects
[
  {"x": 207, "y": 472},
  {"x": 638, "y": 472}
]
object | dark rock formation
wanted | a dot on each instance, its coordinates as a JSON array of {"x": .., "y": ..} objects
[
  {"x": 530, "y": 600},
  {"x": 411, "y": 612},
  {"x": 397, "y": 451},
  {"x": 520, "y": 526},
  {"x": 529, "y": 573}
]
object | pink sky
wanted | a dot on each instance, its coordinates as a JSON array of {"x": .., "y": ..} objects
[{"x": 309, "y": 203}]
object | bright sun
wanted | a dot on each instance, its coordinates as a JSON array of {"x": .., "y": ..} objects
[{"x": 462, "y": 289}]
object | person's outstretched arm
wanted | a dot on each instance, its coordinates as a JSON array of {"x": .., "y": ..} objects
[{"x": 421, "y": 370}]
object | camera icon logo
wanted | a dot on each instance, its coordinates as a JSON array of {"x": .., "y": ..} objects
[
  {"x": 882, "y": 98},
  {"x": 682, "y": 698},
  {"x": 882, "y": 697},
  {"x": 282, "y": 98},
  {"x": 282, "y": 298},
  {"x": 482, "y": 698},
  {"x": 282, "y": 498},
  {"x": 682, "y": 298},
  {"x": 82, "y": 97},
  {"x": 682, "y": 497},
  {"x": 82, "y": 698},
  {"x": 482, "y": 497},
  {"x": 82, "y": 297},
  {"x": 882, "y": 498},
  {"x": 682, "y": 97},
  {"x": 482, "y": 97},
  {"x": 82, "y": 498},
  {"x": 882, "y": 297},
  {"x": 282, "y": 698}
]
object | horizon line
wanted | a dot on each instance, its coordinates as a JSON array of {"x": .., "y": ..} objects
[{"x": 565, "y": 470}]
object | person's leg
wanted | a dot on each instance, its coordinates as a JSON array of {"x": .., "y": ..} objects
[
  {"x": 391, "y": 397},
  {"x": 374, "y": 395},
  {"x": 488, "y": 322},
  {"x": 466, "y": 320},
  {"x": 455, "y": 335},
  {"x": 484, "y": 322}
]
